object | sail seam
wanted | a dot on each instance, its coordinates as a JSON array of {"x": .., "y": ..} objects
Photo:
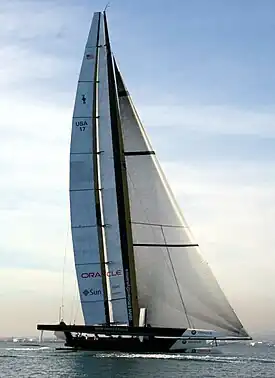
[
  {"x": 84, "y": 117},
  {"x": 136, "y": 153},
  {"x": 116, "y": 299},
  {"x": 86, "y": 226},
  {"x": 159, "y": 225},
  {"x": 82, "y": 153},
  {"x": 87, "y": 263},
  {"x": 82, "y": 190},
  {"x": 165, "y": 245}
]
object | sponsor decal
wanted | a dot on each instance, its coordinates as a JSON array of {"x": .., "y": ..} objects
[
  {"x": 205, "y": 332},
  {"x": 122, "y": 330},
  {"x": 88, "y": 292},
  {"x": 111, "y": 273},
  {"x": 90, "y": 56},
  {"x": 128, "y": 296},
  {"x": 192, "y": 342},
  {"x": 193, "y": 332},
  {"x": 83, "y": 99}
]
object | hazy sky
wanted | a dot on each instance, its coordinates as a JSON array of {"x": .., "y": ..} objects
[{"x": 201, "y": 74}]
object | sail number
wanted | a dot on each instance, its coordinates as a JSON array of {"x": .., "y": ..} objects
[{"x": 81, "y": 125}]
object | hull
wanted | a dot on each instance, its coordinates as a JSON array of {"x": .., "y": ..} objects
[
  {"x": 106, "y": 338},
  {"x": 133, "y": 345}
]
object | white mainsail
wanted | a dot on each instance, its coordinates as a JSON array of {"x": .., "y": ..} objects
[
  {"x": 174, "y": 283},
  {"x": 84, "y": 221}
]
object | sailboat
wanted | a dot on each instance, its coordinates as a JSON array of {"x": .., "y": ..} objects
[{"x": 143, "y": 283}]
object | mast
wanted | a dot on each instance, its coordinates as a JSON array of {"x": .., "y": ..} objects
[
  {"x": 98, "y": 201},
  {"x": 122, "y": 192}
]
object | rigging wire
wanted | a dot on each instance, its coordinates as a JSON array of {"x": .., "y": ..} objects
[
  {"x": 61, "y": 308},
  {"x": 177, "y": 283},
  {"x": 77, "y": 309},
  {"x": 73, "y": 303},
  {"x": 107, "y": 6}
]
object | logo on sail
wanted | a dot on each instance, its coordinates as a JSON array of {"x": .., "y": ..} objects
[
  {"x": 111, "y": 273},
  {"x": 87, "y": 292},
  {"x": 83, "y": 98}
]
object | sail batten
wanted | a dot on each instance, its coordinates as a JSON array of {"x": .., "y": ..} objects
[{"x": 136, "y": 153}]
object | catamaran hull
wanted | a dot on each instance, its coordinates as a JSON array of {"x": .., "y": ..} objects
[
  {"x": 135, "y": 345},
  {"x": 137, "y": 339}
]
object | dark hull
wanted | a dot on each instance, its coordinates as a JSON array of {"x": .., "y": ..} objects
[{"x": 129, "y": 345}]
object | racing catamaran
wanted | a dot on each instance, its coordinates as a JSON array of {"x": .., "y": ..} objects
[{"x": 143, "y": 284}]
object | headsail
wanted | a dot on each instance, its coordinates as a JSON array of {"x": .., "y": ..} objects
[{"x": 174, "y": 283}]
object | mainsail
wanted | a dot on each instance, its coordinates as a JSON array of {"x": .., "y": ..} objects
[
  {"x": 84, "y": 187},
  {"x": 132, "y": 246},
  {"x": 100, "y": 240}
]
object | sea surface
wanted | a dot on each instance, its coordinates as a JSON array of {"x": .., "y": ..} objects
[{"x": 235, "y": 360}]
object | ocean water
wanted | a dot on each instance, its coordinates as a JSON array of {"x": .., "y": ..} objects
[{"x": 238, "y": 360}]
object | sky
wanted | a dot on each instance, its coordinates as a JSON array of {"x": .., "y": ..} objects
[{"x": 201, "y": 75}]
